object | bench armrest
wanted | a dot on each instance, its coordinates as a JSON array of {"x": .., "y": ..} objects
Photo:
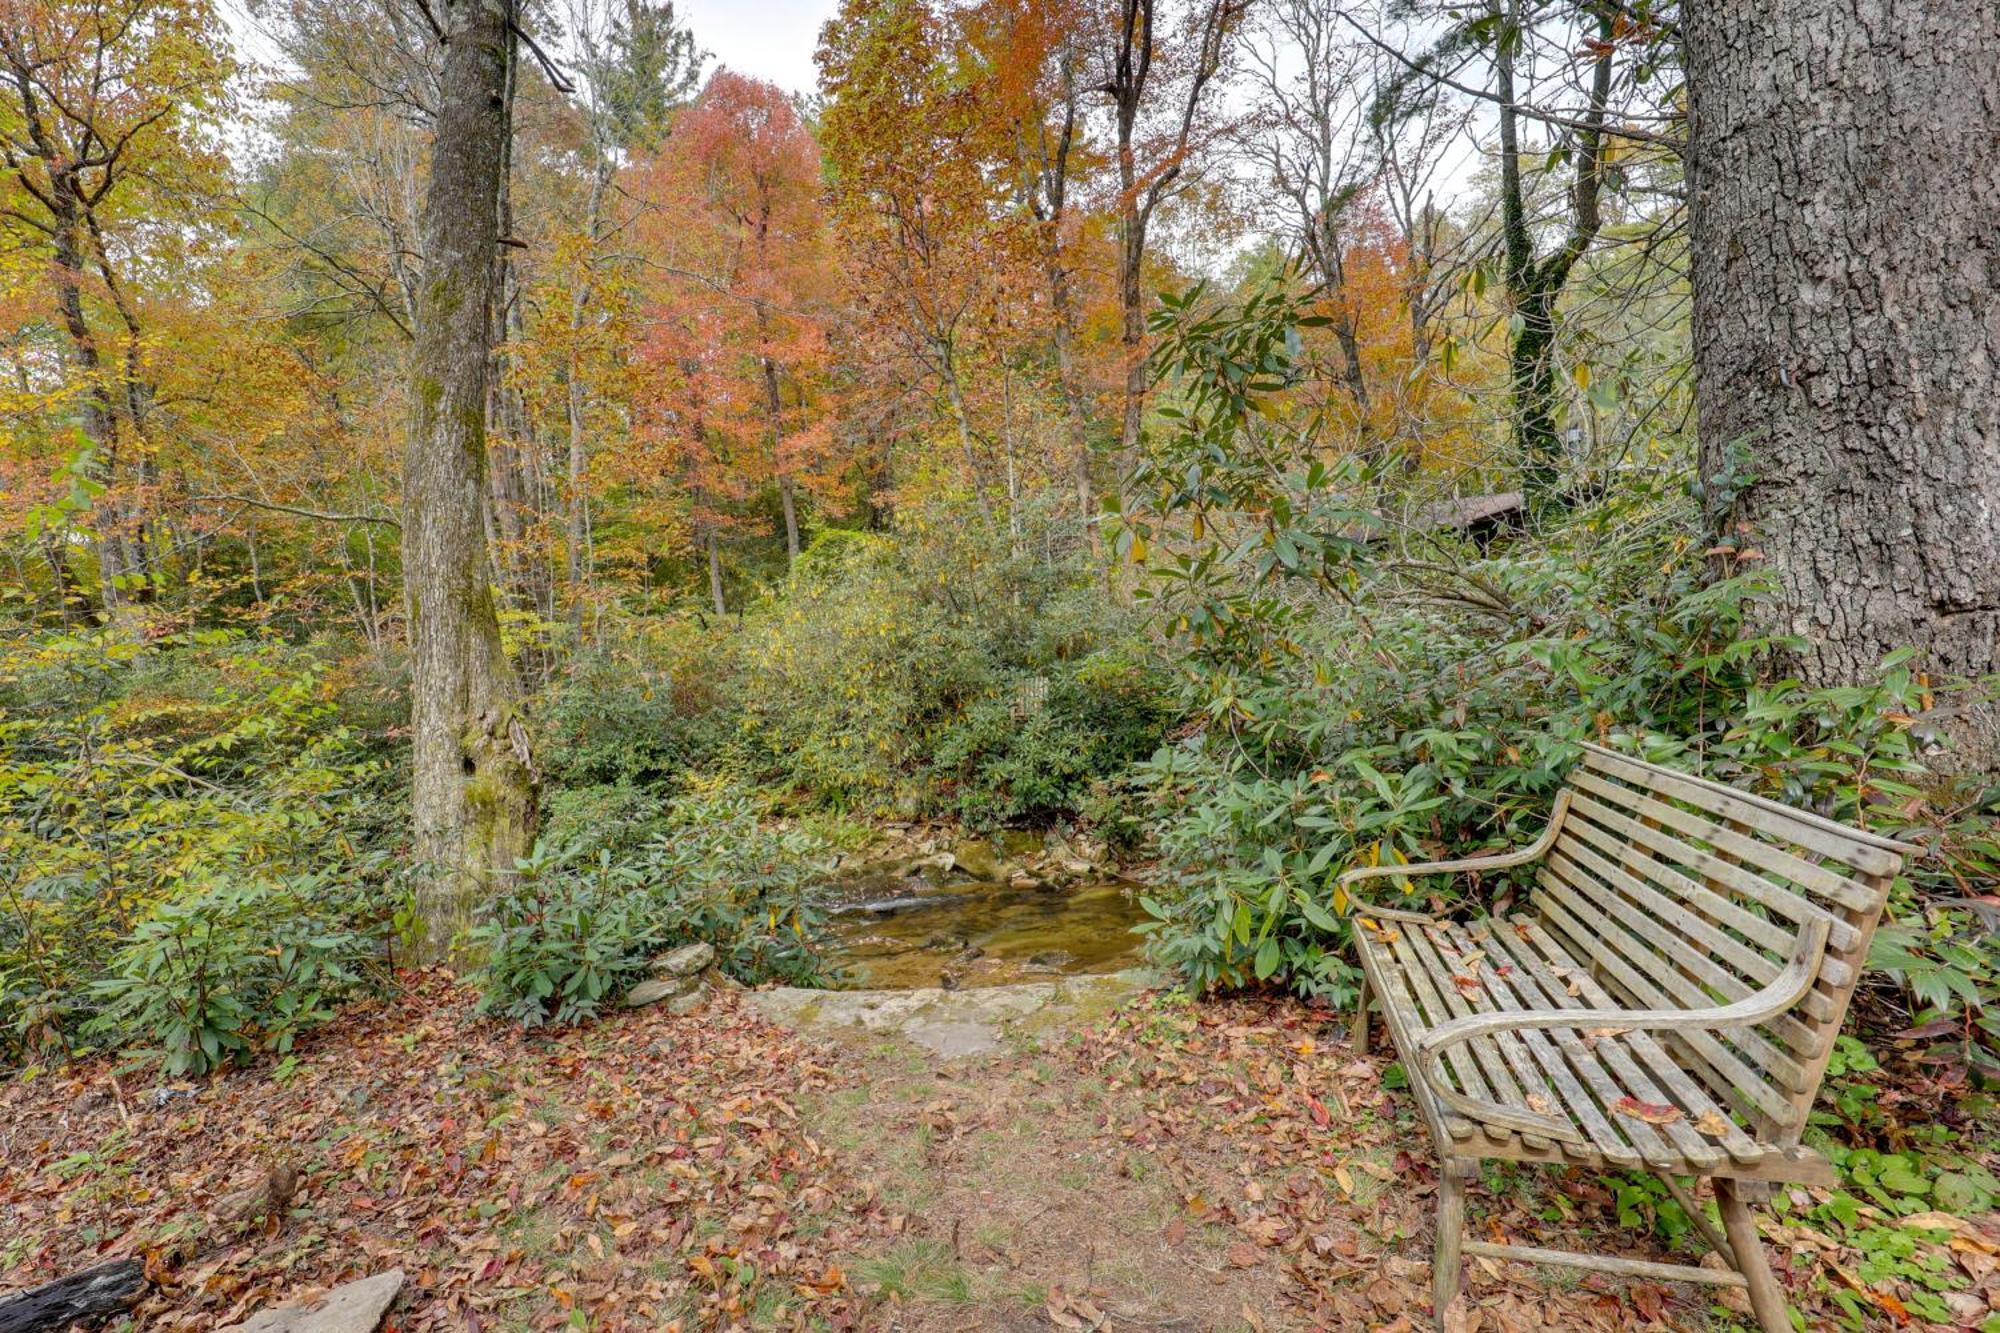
[
  {"x": 1497, "y": 861},
  {"x": 1785, "y": 990}
]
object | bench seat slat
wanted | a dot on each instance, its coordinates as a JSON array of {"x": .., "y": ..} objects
[
  {"x": 1385, "y": 980},
  {"x": 1571, "y": 1074},
  {"x": 1685, "y": 978},
  {"x": 1568, "y": 1059},
  {"x": 1566, "y": 1095},
  {"x": 1685, "y": 1091},
  {"x": 1536, "y": 989},
  {"x": 1431, "y": 1011},
  {"x": 1509, "y": 1070},
  {"x": 1721, "y": 1069}
]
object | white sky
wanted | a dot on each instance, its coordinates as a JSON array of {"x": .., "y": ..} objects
[{"x": 767, "y": 39}]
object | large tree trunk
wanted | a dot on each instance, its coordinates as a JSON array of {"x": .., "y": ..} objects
[
  {"x": 473, "y": 785},
  {"x": 1846, "y": 230}
]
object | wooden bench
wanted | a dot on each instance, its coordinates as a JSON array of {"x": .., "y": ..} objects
[{"x": 1666, "y": 1002}]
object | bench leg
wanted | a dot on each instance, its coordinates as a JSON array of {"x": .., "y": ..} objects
[
  {"x": 1357, "y": 1032},
  {"x": 1446, "y": 1256},
  {"x": 1740, "y": 1225}
]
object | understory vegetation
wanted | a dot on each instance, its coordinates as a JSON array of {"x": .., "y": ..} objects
[{"x": 1198, "y": 448}]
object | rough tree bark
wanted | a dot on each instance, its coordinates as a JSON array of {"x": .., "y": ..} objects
[
  {"x": 473, "y": 789},
  {"x": 1846, "y": 234}
]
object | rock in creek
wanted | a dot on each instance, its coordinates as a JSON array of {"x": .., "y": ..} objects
[{"x": 979, "y": 859}]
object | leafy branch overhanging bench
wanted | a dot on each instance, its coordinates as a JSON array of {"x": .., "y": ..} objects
[{"x": 1667, "y": 1002}]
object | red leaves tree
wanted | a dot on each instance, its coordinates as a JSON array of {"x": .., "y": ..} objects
[{"x": 739, "y": 307}]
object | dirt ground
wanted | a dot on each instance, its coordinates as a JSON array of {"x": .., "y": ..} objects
[{"x": 1162, "y": 1166}]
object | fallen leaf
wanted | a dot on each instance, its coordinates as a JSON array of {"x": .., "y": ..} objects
[{"x": 1653, "y": 1113}]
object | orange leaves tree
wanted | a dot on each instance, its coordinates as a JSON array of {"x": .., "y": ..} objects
[
  {"x": 739, "y": 393},
  {"x": 921, "y": 222},
  {"x": 108, "y": 138}
]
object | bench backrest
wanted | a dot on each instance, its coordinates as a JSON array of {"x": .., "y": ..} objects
[{"x": 1678, "y": 892}]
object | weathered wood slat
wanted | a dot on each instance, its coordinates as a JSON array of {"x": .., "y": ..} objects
[
  {"x": 1432, "y": 1011},
  {"x": 1538, "y": 990},
  {"x": 1653, "y": 929},
  {"x": 1587, "y": 1102},
  {"x": 1758, "y": 928},
  {"x": 1684, "y": 1091},
  {"x": 1510, "y": 1070},
  {"x": 1384, "y": 974},
  {"x": 1681, "y": 858},
  {"x": 1687, "y": 979},
  {"x": 1768, "y": 857},
  {"x": 1662, "y": 920},
  {"x": 1731, "y": 1076},
  {"x": 1606, "y": 1263},
  {"x": 1870, "y": 853}
]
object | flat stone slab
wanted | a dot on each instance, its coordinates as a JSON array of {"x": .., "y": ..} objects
[
  {"x": 352, "y": 1307},
  {"x": 952, "y": 1023},
  {"x": 685, "y": 961},
  {"x": 659, "y": 988}
]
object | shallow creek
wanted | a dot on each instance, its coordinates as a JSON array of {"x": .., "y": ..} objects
[{"x": 896, "y": 933}]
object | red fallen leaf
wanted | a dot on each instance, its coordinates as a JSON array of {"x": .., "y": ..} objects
[
  {"x": 1244, "y": 1256},
  {"x": 1653, "y": 1113},
  {"x": 1174, "y": 1232},
  {"x": 1318, "y": 1109},
  {"x": 1649, "y": 1300},
  {"x": 1470, "y": 985}
]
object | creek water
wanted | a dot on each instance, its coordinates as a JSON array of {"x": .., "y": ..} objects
[{"x": 901, "y": 936}]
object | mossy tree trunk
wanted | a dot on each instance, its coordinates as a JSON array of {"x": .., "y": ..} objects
[
  {"x": 473, "y": 790},
  {"x": 1845, "y": 209},
  {"x": 1535, "y": 284}
]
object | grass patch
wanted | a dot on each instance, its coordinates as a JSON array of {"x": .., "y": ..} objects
[{"x": 919, "y": 1268}]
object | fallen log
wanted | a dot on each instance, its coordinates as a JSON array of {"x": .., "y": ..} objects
[{"x": 93, "y": 1293}]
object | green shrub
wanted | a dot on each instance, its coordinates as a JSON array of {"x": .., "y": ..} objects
[
  {"x": 617, "y": 817},
  {"x": 723, "y": 875},
  {"x": 137, "y": 774},
  {"x": 211, "y": 976},
  {"x": 565, "y": 938},
  {"x": 1003, "y": 763},
  {"x": 1363, "y": 706},
  {"x": 854, "y": 676},
  {"x": 574, "y": 930},
  {"x": 642, "y": 712}
]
